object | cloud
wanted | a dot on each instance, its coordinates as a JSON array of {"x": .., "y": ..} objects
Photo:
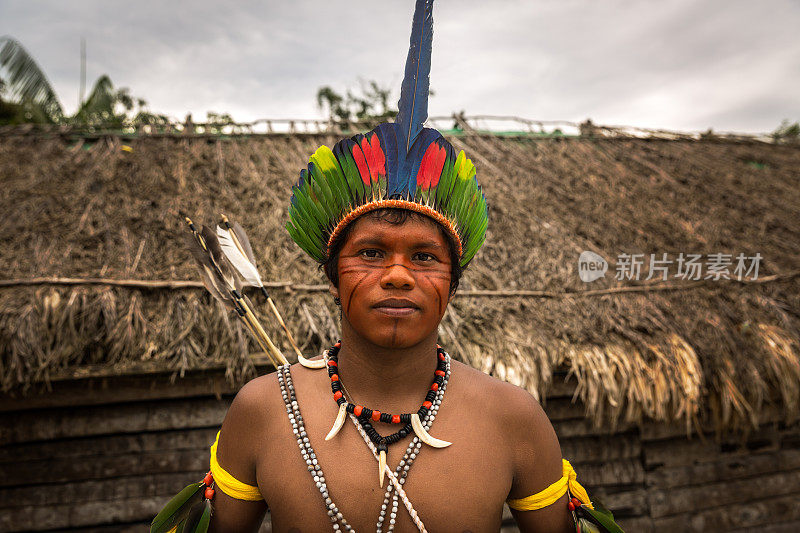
[{"x": 673, "y": 64}]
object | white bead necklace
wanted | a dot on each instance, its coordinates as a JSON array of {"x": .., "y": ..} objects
[
  {"x": 396, "y": 478},
  {"x": 401, "y": 472}
]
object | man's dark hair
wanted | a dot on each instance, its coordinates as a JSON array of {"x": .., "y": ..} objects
[{"x": 395, "y": 217}]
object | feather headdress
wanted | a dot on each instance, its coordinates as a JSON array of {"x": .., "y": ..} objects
[{"x": 399, "y": 165}]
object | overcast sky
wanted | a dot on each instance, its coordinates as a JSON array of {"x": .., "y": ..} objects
[{"x": 679, "y": 64}]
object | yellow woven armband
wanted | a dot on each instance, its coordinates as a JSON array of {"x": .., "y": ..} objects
[
  {"x": 568, "y": 481},
  {"x": 229, "y": 484}
]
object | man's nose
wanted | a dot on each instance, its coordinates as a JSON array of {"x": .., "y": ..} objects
[{"x": 397, "y": 276}]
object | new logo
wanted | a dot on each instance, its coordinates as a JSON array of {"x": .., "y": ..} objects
[{"x": 591, "y": 266}]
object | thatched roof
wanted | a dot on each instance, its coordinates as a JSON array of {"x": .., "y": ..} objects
[{"x": 722, "y": 350}]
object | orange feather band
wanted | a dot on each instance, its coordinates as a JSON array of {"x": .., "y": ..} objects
[{"x": 397, "y": 204}]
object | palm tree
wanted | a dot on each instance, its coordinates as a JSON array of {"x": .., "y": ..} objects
[
  {"x": 105, "y": 105},
  {"x": 26, "y": 84},
  {"x": 32, "y": 98}
]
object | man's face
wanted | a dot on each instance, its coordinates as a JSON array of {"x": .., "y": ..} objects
[{"x": 394, "y": 280}]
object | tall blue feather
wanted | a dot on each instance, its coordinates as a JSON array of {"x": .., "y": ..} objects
[{"x": 413, "y": 103}]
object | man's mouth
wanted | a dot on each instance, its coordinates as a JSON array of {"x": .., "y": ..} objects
[{"x": 396, "y": 307}]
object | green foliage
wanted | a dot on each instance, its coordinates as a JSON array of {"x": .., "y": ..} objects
[
  {"x": 26, "y": 96},
  {"x": 217, "y": 121},
  {"x": 337, "y": 109},
  {"x": 106, "y": 105},
  {"x": 25, "y": 91},
  {"x": 787, "y": 132},
  {"x": 22, "y": 113},
  {"x": 369, "y": 104}
]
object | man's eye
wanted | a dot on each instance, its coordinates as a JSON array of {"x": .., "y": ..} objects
[
  {"x": 424, "y": 257},
  {"x": 370, "y": 254}
]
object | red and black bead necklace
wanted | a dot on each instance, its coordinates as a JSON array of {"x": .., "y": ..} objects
[{"x": 366, "y": 416}]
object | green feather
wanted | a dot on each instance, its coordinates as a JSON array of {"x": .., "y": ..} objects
[
  {"x": 300, "y": 227},
  {"x": 307, "y": 244},
  {"x": 445, "y": 184},
  {"x": 584, "y": 526},
  {"x": 310, "y": 209},
  {"x": 380, "y": 188},
  {"x": 456, "y": 198},
  {"x": 177, "y": 508},
  {"x": 333, "y": 178},
  {"x": 205, "y": 520},
  {"x": 354, "y": 182},
  {"x": 599, "y": 516},
  {"x": 304, "y": 216},
  {"x": 475, "y": 228},
  {"x": 475, "y": 213},
  {"x": 331, "y": 200},
  {"x": 474, "y": 244},
  {"x": 198, "y": 519}
]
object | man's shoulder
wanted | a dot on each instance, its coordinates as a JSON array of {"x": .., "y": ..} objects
[
  {"x": 518, "y": 413},
  {"x": 254, "y": 393},
  {"x": 494, "y": 391},
  {"x": 525, "y": 433},
  {"x": 257, "y": 403},
  {"x": 262, "y": 396}
]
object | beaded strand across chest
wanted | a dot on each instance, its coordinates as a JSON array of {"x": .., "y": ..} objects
[{"x": 394, "y": 491}]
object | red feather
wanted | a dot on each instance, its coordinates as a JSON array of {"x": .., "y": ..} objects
[
  {"x": 430, "y": 169},
  {"x": 369, "y": 156},
  {"x": 361, "y": 163},
  {"x": 379, "y": 169}
]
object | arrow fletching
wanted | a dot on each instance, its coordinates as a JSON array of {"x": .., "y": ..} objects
[
  {"x": 238, "y": 260},
  {"x": 238, "y": 230}
]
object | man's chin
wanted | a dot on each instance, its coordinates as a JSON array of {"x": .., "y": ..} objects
[
  {"x": 396, "y": 341},
  {"x": 388, "y": 334}
]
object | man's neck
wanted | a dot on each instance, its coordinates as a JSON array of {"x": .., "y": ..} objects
[{"x": 390, "y": 379}]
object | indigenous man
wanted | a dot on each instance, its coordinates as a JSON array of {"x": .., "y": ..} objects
[
  {"x": 415, "y": 441},
  {"x": 394, "y": 274}
]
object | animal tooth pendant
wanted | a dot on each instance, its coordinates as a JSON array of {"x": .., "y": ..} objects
[
  {"x": 308, "y": 363},
  {"x": 424, "y": 436},
  {"x": 339, "y": 422},
  {"x": 381, "y": 466}
]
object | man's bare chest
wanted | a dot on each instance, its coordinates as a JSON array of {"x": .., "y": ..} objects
[{"x": 458, "y": 488}]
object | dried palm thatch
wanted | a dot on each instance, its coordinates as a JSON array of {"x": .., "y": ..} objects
[{"x": 726, "y": 351}]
